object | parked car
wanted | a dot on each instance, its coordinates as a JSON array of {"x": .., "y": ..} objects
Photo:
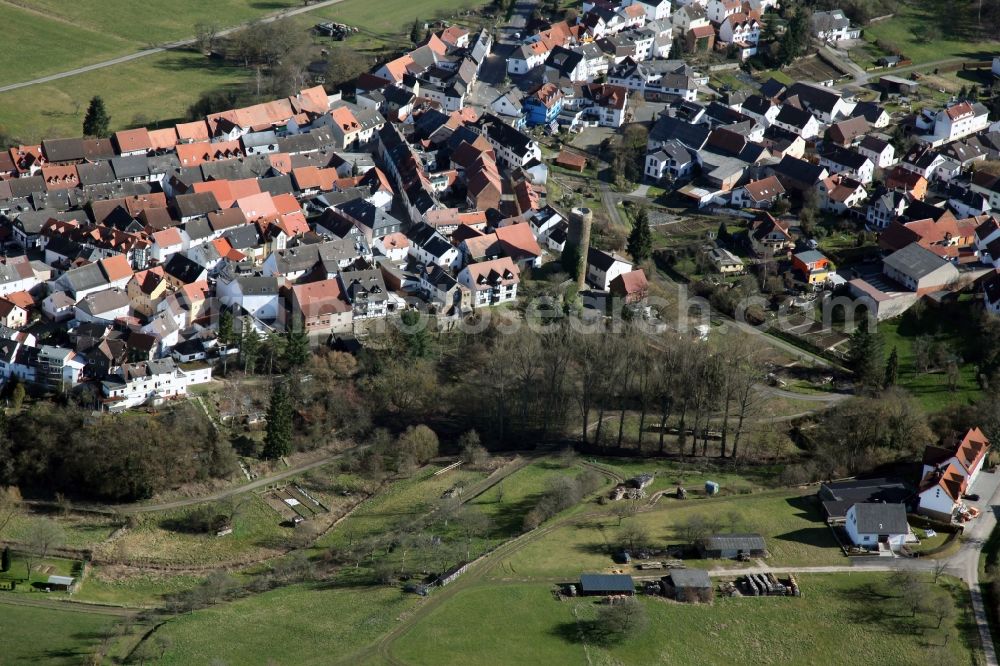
[{"x": 972, "y": 496}]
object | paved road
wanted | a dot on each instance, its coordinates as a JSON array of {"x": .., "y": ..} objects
[{"x": 183, "y": 43}]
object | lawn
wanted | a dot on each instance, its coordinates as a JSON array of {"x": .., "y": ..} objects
[
  {"x": 399, "y": 503},
  {"x": 46, "y": 46},
  {"x": 136, "y": 590},
  {"x": 154, "y": 91},
  {"x": 41, "y": 569},
  {"x": 81, "y": 530},
  {"x": 299, "y": 624},
  {"x": 836, "y": 613},
  {"x": 148, "y": 23},
  {"x": 42, "y": 636},
  {"x": 791, "y": 525},
  {"x": 931, "y": 388},
  {"x": 948, "y": 22},
  {"x": 521, "y": 492},
  {"x": 162, "y": 538}
]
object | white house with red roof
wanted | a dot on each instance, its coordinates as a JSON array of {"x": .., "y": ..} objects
[
  {"x": 948, "y": 472},
  {"x": 968, "y": 455},
  {"x": 491, "y": 282},
  {"x": 957, "y": 121}
]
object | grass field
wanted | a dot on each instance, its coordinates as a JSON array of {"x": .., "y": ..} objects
[
  {"x": 154, "y": 91},
  {"x": 397, "y": 504},
  {"x": 521, "y": 491},
  {"x": 158, "y": 88},
  {"x": 791, "y": 526},
  {"x": 154, "y": 22},
  {"x": 906, "y": 31},
  {"x": 293, "y": 625},
  {"x": 161, "y": 538},
  {"x": 931, "y": 388},
  {"x": 42, "y": 636},
  {"x": 81, "y": 530},
  {"x": 835, "y": 613},
  {"x": 47, "y": 46}
]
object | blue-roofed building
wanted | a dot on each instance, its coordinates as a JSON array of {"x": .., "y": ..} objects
[{"x": 605, "y": 584}]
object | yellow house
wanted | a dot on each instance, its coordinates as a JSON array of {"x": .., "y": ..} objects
[{"x": 146, "y": 289}]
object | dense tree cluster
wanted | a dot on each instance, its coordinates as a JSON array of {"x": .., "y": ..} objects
[{"x": 117, "y": 458}]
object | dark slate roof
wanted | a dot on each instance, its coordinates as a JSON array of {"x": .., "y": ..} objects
[
  {"x": 692, "y": 136},
  {"x": 276, "y": 185},
  {"x": 600, "y": 259},
  {"x": 95, "y": 174},
  {"x": 792, "y": 116},
  {"x": 243, "y": 237},
  {"x": 133, "y": 166},
  {"x": 689, "y": 578},
  {"x": 814, "y": 96},
  {"x": 746, "y": 542},
  {"x": 877, "y": 518},
  {"x": 184, "y": 269},
  {"x": 189, "y": 205},
  {"x": 914, "y": 261},
  {"x": 63, "y": 150},
  {"x": 772, "y": 88},
  {"x": 839, "y": 496},
  {"x": 606, "y": 583}
]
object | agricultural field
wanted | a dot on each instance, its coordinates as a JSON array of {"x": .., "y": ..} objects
[
  {"x": 300, "y": 624},
  {"x": 55, "y": 36},
  {"x": 30, "y": 635},
  {"x": 154, "y": 91},
  {"x": 836, "y": 611},
  {"x": 791, "y": 526}
]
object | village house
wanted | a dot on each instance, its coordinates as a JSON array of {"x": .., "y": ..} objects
[
  {"x": 603, "y": 267},
  {"x": 491, "y": 282},
  {"x": 812, "y": 266},
  {"x": 877, "y": 526}
]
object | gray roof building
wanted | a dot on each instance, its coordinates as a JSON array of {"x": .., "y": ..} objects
[{"x": 878, "y": 518}]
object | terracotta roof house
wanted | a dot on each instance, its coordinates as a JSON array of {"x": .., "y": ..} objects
[
  {"x": 632, "y": 287},
  {"x": 132, "y": 142}
]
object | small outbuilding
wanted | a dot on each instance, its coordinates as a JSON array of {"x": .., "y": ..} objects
[
  {"x": 606, "y": 584},
  {"x": 62, "y": 583},
  {"x": 687, "y": 585},
  {"x": 571, "y": 161},
  {"x": 732, "y": 546}
]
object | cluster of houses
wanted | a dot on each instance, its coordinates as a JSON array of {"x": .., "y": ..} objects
[
  {"x": 873, "y": 512},
  {"x": 933, "y": 210},
  {"x": 121, "y": 253}
]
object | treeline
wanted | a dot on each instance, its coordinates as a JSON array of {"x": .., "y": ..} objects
[
  {"x": 522, "y": 387},
  {"x": 117, "y": 458}
]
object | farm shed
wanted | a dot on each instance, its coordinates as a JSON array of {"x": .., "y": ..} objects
[
  {"x": 641, "y": 481},
  {"x": 60, "y": 582},
  {"x": 571, "y": 161},
  {"x": 687, "y": 585},
  {"x": 897, "y": 84},
  {"x": 605, "y": 584},
  {"x": 732, "y": 546}
]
